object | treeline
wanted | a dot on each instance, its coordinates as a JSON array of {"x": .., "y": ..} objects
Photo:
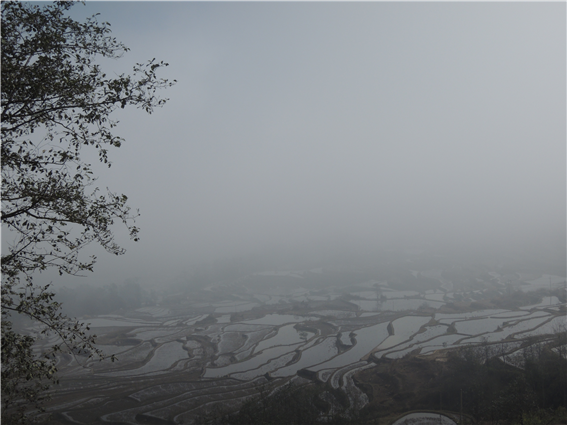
[
  {"x": 528, "y": 388},
  {"x": 291, "y": 405},
  {"x": 83, "y": 300}
]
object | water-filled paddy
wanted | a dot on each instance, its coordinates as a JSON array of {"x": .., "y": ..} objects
[
  {"x": 231, "y": 341},
  {"x": 146, "y": 334},
  {"x": 252, "y": 363},
  {"x": 556, "y": 324},
  {"x": 440, "y": 342},
  {"x": 518, "y": 328},
  {"x": 408, "y": 325},
  {"x": 312, "y": 356},
  {"x": 479, "y": 326},
  {"x": 253, "y": 347},
  {"x": 366, "y": 340},
  {"x": 511, "y": 314},
  {"x": 273, "y": 364},
  {"x": 185, "y": 349},
  {"x": 244, "y": 327},
  {"x": 162, "y": 359},
  {"x": 469, "y": 315},
  {"x": 250, "y": 348},
  {"x": 286, "y": 335},
  {"x": 345, "y": 339}
]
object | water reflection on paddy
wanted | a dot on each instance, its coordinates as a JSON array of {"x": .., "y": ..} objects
[
  {"x": 194, "y": 320},
  {"x": 404, "y": 328},
  {"x": 409, "y": 325},
  {"x": 556, "y": 324},
  {"x": 314, "y": 355},
  {"x": 252, "y": 363},
  {"x": 430, "y": 332},
  {"x": 478, "y": 326},
  {"x": 469, "y": 315},
  {"x": 151, "y": 333},
  {"x": 531, "y": 316},
  {"x": 366, "y": 340},
  {"x": 244, "y": 327},
  {"x": 269, "y": 367},
  {"x": 109, "y": 350},
  {"x": 230, "y": 341},
  {"x": 511, "y": 314},
  {"x": 268, "y": 344},
  {"x": 441, "y": 342},
  {"x": 417, "y": 341},
  {"x": 286, "y": 335},
  {"x": 519, "y": 327},
  {"x": 391, "y": 341},
  {"x": 253, "y": 339},
  {"x": 163, "y": 358}
]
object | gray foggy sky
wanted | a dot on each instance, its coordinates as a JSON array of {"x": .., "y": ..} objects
[{"x": 323, "y": 126}]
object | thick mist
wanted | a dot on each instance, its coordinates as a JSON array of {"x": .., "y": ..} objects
[{"x": 331, "y": 132}]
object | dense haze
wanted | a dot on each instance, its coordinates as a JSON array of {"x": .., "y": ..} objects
[{"x": 336, "y": 129}]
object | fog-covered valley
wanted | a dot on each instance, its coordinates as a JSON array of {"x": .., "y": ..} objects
[
  {"x": 203, "y": 346},
  {"x": 342, "y": 213}
]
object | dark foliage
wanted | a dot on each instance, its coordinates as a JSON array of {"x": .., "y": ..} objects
[
  {"x": 292, "y": 405},
  {"x": 494, "y": 391},
  {"x": 56, "y": 101}
]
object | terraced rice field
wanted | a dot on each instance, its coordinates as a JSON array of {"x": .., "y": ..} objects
[{"x": 176, "y": 364}]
